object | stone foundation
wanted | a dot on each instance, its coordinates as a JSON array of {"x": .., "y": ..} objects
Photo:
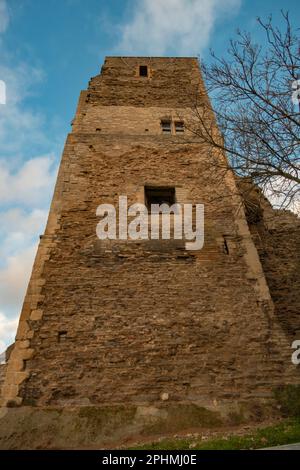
[{"x": 118, "y": 425}]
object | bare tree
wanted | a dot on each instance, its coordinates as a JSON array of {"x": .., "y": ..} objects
[{"x": 255, "y": 92}]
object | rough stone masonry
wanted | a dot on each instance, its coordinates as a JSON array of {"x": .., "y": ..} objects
[{"x": 128, "y": 337}]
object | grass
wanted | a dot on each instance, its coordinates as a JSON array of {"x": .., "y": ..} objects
[
  {"x": 286, "y": 432},
  {"x": 288, "y": 397}
]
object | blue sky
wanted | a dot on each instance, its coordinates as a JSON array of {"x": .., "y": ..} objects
[{"x": 48, "y": 51}]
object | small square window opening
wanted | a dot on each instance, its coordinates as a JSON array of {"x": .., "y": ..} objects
[
  {"x": 166, "y": 126},
  {"x": 179, "y": 126},
  {"x": 159, "y": 195},
  {"x": 143, "y": 71}
]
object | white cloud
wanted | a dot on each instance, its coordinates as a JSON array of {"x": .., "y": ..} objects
[
  {"x": 181, "y": 27},
  {"x": 20, "y": 227},
  {"x": 26, "y": 181},
  {"x": 14, "y": 278},
  {"x": 18, "y": 230},
  {"x": 7, "y": 331},
  {"x": 20, "y": 127},
  {"x": 283, "y": 194},
  {"x": 31, "y": 184},
  {"x": 18, "y": 221},
  {"x": 4, "y": 16}
]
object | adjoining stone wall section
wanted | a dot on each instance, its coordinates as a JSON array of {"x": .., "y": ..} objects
[{"x": 276, "y": 234}]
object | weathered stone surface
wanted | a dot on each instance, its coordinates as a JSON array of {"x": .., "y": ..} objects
[
  {"x": 36, "y": 315},
  {"x": 2, "y": 375},
  {"x": 143, "y": 322},
  {"x": 276, "y": 234},
  {"x": 94, "y": 427}
]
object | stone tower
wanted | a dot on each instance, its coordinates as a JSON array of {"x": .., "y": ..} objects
[{"x": 146, "y": 330}]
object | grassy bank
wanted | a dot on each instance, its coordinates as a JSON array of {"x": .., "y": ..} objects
[{"x": 286, "y": 432}]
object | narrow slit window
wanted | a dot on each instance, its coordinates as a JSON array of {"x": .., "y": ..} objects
[
  {"x": 166, "y": 126},
  {"x": 143, "y": 71},
  {"x": 225, "y": 245},
  {"x": 159, "y": 195},
  {"x": 179, "y": 127}
]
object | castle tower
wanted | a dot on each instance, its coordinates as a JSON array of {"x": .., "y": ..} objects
[{"x": 147, "y": 330}]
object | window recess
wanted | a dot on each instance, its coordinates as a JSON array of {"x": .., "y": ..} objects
[{"x": 166, "y": 126}]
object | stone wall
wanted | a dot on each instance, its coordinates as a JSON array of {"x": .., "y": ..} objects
[
  {"x": 276, "y": 234},
  {"x": 2, "y": 374},
  {"x": 4, "y": 357},
  {"x": 144, "y": 322},
  {"x": 128, "y": 120},
  {"x": 172, "y": 82}
]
